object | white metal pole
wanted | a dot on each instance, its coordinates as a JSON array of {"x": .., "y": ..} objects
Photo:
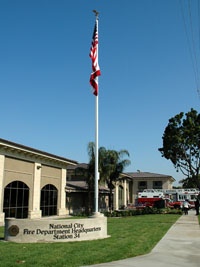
[
  {"x": 97, "y": 136},
  {"x": 96, "y": 153}
]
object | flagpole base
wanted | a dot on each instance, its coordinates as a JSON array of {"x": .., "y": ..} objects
[{"x": 97, "y": 215}]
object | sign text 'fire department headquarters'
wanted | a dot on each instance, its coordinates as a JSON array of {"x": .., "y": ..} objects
[{"x": 30, "y": 231}]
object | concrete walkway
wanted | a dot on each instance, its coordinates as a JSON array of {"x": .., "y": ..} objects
[{"x": 179, "y": 247}]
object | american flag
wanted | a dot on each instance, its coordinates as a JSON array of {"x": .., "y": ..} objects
[{"x": 94, "y": 56}]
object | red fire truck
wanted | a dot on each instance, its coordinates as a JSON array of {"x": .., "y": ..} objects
[
  {"x": 179, "y": 195},
  {"x": 148, "y": 198},
  {"x": 172, "y": 198}
]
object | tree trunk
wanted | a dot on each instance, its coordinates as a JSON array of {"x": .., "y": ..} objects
[
  {"x": 89, "y": 204},
  {"x": 110, "y": 200},
  {"x": 197, "y": 181}
]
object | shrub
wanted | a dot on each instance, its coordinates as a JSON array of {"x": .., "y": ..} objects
[{"x": 144, "y": 211}]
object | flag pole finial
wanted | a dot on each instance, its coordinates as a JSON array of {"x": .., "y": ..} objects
[{"x": 96, "y": 13}]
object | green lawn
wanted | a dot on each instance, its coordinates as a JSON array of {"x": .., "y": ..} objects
[{"x": 130, "y": 236}]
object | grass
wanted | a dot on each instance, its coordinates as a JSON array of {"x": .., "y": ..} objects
[{"x": 130, "y": 236}]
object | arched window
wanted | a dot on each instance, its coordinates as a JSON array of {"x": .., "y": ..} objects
[
  {"x": 16, "y": 196},
  {"x": 48, "y": 204}
]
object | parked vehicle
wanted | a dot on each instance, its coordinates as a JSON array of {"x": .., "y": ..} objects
[
  {"x": 173, "y": 204},
  {"x": 172, "y": 198}
]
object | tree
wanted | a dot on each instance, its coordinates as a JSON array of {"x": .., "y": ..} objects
[
  {"x": 188, "y": 182},
  {"x": 111, "y": 164},
  {"x": 90, "y": 174},
  {"x": 181, "y": 144}
]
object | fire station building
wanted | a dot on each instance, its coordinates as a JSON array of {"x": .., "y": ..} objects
[
  {"x": 32, "y": 182},
  {"x": 35, "y": 184}
]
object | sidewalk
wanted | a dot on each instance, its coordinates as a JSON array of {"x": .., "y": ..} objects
[{"x": 179, "y": 247}]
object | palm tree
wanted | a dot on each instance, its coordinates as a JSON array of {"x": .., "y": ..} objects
[
  {"x": 91, "y": 174},
  {"x": 112, "y": 164}
]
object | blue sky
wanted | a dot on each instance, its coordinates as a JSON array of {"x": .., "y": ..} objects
[{"x": 148, "y": 76}]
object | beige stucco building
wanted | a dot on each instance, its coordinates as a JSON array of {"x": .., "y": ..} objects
[
  {"x": 125, "y": 190},
  {"x": 128, "y": 186},
  {"x": 32, "y": 182}
]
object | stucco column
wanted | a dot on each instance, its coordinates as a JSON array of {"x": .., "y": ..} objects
[
  {"x": 135, "y": 189},
  {"x": 116, "y": 199},
  {"x": 2, "y": 215},
  {"x": 149, "y": 184},
  {"x": 34, "y": 198},
  {"x": 62, "y": 194},
  {"x": 125, "y": 194}
]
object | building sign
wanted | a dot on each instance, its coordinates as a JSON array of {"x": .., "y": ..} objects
[{"x": 43, "y": 230}]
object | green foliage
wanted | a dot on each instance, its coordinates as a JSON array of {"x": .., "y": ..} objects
[
  {"x": 144, "y": 211},
  {"x": 181, "y": 144},
  {"x": 111, "y": 164},
  {"x": 129, "y": 237}
]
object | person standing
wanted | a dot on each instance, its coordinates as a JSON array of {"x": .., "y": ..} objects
[
  {"x": 186, "y": 206},
  {"x": 196, "y": 203}
]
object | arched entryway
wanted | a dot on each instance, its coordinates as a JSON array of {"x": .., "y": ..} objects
[
  {"x": 16, "y": 196},
  {"x": 48, "y": 204}
]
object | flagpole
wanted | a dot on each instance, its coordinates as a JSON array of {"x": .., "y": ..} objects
[
  {"x": 94, "y": 83},
  {"x": 96, "y": 137},
  {"x": 96, "y": 154}
]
